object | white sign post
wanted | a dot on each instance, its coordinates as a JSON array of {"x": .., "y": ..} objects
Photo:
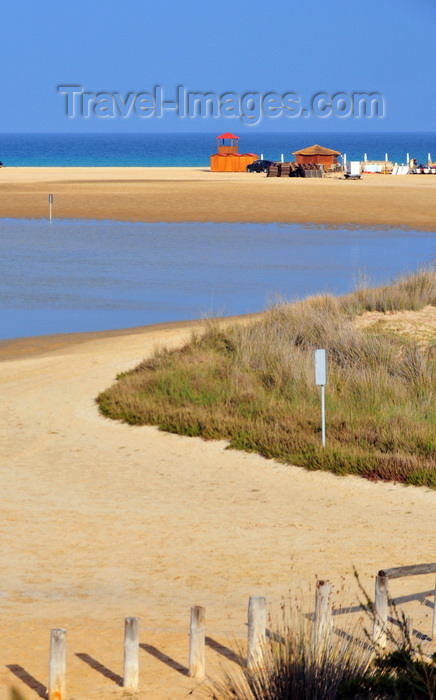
[
  {"x": 321, "y": 380},
  {"x": 50, "y": 204}
]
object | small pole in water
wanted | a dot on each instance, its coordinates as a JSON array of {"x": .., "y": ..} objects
[
  {"x": 50, "y": 205},
  {"x": 365, "y": 157},
  {"x": 283, "y": 158},
  {"x": 386, "y": 157},
  {"x": 407, "y": 159},
  {"x": 429, "y": 158},
  {"x": 261, "y": 156}
]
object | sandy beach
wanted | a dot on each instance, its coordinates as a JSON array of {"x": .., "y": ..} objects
[
  {"x": 108, "y": 255},
  {"x": 101, "y": 520},
  {"x": 196, "y": 194}
]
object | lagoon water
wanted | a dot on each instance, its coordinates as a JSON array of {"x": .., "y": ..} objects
[{"x": 70, "y": 276}]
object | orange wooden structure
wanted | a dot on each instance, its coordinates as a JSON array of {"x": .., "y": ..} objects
[
  {"x": 231, "y": 162},
  {"x": 317, "y": 154},
  {"x": 227, "y": 143},
  {"x": 228, "y": 159}
]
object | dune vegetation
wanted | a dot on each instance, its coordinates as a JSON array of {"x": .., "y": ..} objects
[
  {"x": 345, "y": 664},
  {"x": 252, "y": 382}
]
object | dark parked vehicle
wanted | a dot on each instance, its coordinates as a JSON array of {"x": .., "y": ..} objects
[{"x": 259, "y": 166}]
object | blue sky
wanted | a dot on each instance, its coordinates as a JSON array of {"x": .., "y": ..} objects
[{"x": 231, "y": 46}]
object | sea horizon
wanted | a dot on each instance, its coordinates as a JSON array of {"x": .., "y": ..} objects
[{"x": 187, "y": 149}]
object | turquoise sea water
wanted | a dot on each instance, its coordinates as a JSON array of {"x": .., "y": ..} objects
[
  {"x": 195, "y": 149},
  {"x": 71, "y": 276}
]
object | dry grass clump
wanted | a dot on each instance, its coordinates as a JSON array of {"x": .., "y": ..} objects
[
  {"x": 296, "y": 664},
  {"x": 411, "y": 292},
  {"x": 253, "y": 384},
  {"x": 344, "y": 664}
]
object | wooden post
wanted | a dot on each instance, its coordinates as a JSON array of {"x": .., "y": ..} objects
[
  {"x": 131, "y": 653},
  {"x": 256, "y": 629},
  {"x": 322, "y": 618},
  {"x": 414, "y": 570},
  {"x": 380, "y": 610},
  {"x": 56, "y": 673},
  {"x": 197, "y": 641},
  {"x": 433, "y": 627}
]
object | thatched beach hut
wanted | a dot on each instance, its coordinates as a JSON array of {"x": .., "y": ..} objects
[{"x": 317, "y": 154}]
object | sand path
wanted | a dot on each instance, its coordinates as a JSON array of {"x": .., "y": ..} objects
[{"x": 100, "y": 520}]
